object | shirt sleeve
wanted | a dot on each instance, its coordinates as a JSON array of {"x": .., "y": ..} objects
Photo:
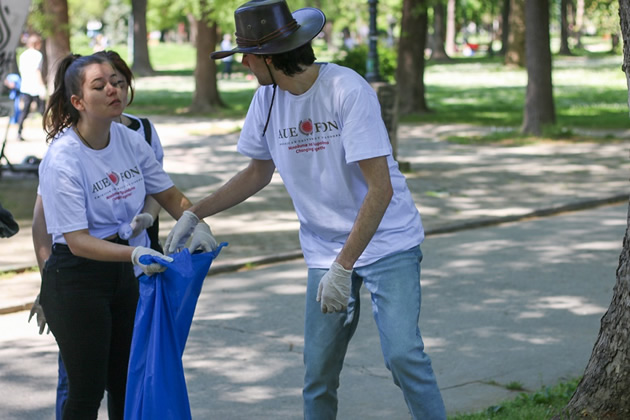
[
  {"x": 364, "y": 134},
  {"x": 251, "y": 143}
]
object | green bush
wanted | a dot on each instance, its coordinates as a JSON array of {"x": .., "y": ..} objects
[{"x": 356, "y": 59}]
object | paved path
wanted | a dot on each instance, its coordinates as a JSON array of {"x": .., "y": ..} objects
[{"x": 512, "y": 302}]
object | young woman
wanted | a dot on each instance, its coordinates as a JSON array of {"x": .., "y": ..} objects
[
  {"x": 146, "y": 220},
  {"x": 94, "y": 179}
]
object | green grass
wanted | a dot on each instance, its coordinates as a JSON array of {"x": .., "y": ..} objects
[
  {"x": 542, "y": 404},
  {"x": 589, "y": 90}
]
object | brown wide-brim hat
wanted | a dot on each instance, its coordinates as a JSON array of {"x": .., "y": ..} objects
[{"x": 268, "y": 27}]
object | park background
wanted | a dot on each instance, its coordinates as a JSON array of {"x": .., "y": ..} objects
[{"x": 469, "y": 67}]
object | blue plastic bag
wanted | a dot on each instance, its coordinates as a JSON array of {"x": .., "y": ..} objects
[{"x": 156, "y": 387}]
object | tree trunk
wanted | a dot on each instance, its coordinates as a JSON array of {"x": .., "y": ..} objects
[
  {"x": 206, "y": 96},
  {"x": 141, "y": 63},
  {"x": 603, "y": 391},
  {"x": 451, "y": 31},
  {"x": 505, "y": 26},
  {"x": 58, "y": 39},
  {"x": 564, "y": 28},
  {"x": 515, "y": 53},
  {"x": 539, "y": 106},
  {"x": 410, "y": 71},
  {"x": 438, "y": 52},
  {"x": 579, "y": 23}
]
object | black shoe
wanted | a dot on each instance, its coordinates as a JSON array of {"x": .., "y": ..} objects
[{"x": 20, "y": 137}]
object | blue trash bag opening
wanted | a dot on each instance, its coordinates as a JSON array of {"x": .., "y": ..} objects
[{"x": 156, "y": 386}]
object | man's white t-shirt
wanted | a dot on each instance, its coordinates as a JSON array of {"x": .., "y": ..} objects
[
  {"x": 97, "y": 190},
  {"x": 30, "y": 66},
  {"x": 316, "y": 140}
]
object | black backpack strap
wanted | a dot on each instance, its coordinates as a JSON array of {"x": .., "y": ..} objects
[
  {"x": 146, "y": 125},
  {"x": 153, "y": 230}
]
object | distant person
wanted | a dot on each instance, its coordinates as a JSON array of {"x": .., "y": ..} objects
[
  {"x": 33, "y": 87},
  {"x": 320, "y": 126},
  {"x": 100, "y": 43},
  {"x": 226, "y": 44},
  {"x": 348, "y": 41},
  {"x": 12, "y": 82}
]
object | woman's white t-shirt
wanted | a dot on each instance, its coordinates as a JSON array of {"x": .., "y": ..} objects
[
  {"x": 316, "y": 140},
  {"x": 97, "y": 190}
]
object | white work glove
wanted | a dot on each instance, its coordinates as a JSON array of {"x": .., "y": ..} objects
[
  {"x": 137, "y": 225},
  {"x": 150, "y": 269},
  {"x": 334, "y": 289},
  {"x": 176, "y": 239},
  {"x": 202, "y": 239},
  {"x": 37, "y": 310}
]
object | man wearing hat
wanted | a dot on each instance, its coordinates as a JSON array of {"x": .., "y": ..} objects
[{"x": 320, "y": 125}]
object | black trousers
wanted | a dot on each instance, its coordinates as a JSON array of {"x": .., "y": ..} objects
[
  {"x": 28, "y": 99},
  {"x": 90, "y": 307}
]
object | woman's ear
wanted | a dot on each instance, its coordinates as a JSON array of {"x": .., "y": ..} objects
[{"x": 77, "y": 103}]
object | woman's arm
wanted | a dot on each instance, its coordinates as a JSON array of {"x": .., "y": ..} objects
[
  {"x": 42, "y": 241},
  {"x": 82, "y": 244}
]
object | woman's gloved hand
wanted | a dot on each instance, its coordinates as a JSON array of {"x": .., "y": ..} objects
[
  {"x": 139, "y": 223},
  {"x": 149, "y": 269}
]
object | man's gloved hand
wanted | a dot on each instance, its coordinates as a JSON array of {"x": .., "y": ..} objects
[
  {"x": 176, "y": 239},
  {"x": 202, "y": 239},
  {"x": 139, "y": 223},
  {"x": 37, "y": 310},
  {"x": 334, "y": 289},
  {"x": 151, "y": 268}
]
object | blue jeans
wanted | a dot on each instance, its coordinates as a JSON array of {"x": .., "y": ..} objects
[
  {"x": 62, "y": 389},
  {"x": 394, "y": 284}
]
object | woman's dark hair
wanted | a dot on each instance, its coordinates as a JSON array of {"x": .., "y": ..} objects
[
  {"x": 294, "y": 61},
  {"x": 60, "y": 113}
]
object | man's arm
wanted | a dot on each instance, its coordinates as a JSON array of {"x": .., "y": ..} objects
[
  {"x": 334, "y": 288},
  {"x": 380, "y": 192},
  {"x": 239, "y": 188}
]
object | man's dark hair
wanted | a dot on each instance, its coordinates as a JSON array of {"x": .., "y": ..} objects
[{"x": 294, "y": 61}]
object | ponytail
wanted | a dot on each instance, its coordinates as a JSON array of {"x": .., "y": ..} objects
[{"x": 59, "y": 113}]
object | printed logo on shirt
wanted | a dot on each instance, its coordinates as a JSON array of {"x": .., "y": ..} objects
[
  {"x": 309, "y": 136},
  {"x": 107, "y": 186},
  {"x": 113, "y": 177},
  {"x": 306, "y": 126}
]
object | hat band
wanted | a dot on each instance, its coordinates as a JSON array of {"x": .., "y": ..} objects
[{"x": 287, "y": 29}]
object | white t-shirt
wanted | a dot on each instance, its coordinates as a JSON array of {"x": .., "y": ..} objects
[
  {"x": 226, "y": 45},
  {"x": 97, "y": 190},
  {"x": 30, "y": 65},
  {"x": 156, "y": 143},
  {"x": 316, "y": 141}
]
